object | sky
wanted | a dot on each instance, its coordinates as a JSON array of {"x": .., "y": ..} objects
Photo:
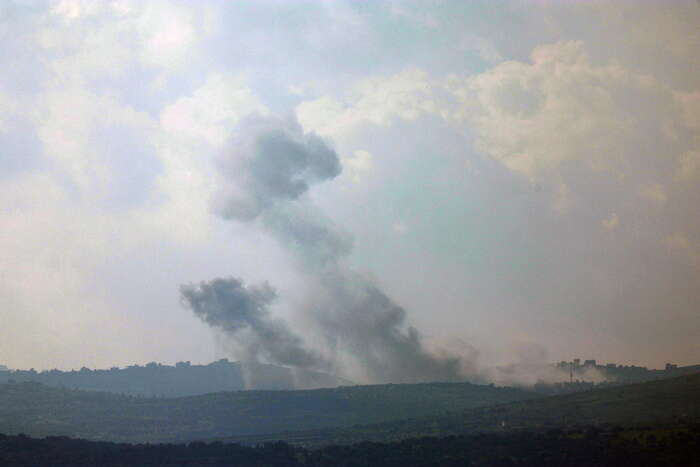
[{"x": 380, "y": 185}]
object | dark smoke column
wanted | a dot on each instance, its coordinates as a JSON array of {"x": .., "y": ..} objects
[
  {"x": 268, "y": 167},
  {"x": 242, "y": 313}
]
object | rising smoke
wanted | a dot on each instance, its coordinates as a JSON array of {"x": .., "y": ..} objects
[
  {"x": 268, "y": 167},
  {"x": 243, "y": 314},
  {"x": 270, "y": 161}
]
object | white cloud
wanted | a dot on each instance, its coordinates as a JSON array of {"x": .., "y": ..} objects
[
  {"x": 212, "y": 110},
  {"x": 193, "y": 129},
  {"x": 535, "y": 117},
  {"x": 8, "y": 107},
  {"x": 67, "y": 126},
  {"x": 532, "y": 117},
  {"x": 320, "y": 115},
  {"x": 169, "y": 33},
  {"x": 80, "y": 108},
  {"x": 357, "y": 165},
  {"x": 74, "y": 9},
  {"x": 88, "y": 40},
  {"x": 375, "y": 101}
]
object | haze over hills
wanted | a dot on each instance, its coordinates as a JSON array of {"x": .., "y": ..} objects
[{"x": 183, "y": 379}]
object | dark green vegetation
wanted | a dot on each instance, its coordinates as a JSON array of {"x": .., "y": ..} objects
[
  {"x": 655, "y": 403},
  {"x": 39, "y": 410},
  {"x": 614, "y": 446}
]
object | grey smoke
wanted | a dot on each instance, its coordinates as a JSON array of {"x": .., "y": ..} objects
[
  {"x": 313, "y": 239},
  {"x": 269, "y": 166},
  {"x": 362, "y": 320},
  {"x": 271, "y": 160},
  {"x": 243, "y": 314}
]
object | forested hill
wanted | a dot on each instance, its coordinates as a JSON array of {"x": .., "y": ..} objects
[
  {"x": 615, "y": 447},
  {"x": 657, "y": 403},
  {"x": 39, "y": 410},
  {"x": 183, "y": 379}
]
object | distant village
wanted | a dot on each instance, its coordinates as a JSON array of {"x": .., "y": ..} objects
[
  {"x": 590, "y": 374},
  {"x": 623, "y": 373}
]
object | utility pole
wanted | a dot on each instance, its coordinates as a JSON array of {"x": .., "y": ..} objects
[{"x": 571, "y": 372}]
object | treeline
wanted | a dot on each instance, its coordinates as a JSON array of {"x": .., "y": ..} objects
[
  {"x": 183, "y": 379},
  {"x": 608, "y": 446}
]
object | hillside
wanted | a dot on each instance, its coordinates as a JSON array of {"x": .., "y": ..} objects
[
  {"x": 39, "y": 410},
  {"x": 669, "y": 401}
]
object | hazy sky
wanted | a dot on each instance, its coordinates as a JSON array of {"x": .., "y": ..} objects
[{"x": 523, "y": 178}]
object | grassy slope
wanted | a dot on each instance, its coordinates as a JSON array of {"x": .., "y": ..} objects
[
  {"x": 658, "y": 402},
  {"x": 39, "y": 410}
]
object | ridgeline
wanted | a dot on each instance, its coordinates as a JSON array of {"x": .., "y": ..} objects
[{"x": 668, "y": 402}]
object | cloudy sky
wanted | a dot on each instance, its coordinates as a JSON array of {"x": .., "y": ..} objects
[{"x": 522, "y": 178}]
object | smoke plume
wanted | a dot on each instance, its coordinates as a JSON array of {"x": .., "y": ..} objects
[
  {"x": 269, "y": 166},
  {"x": 242, "y": 313},
  {"x": 270, "y": 161}
]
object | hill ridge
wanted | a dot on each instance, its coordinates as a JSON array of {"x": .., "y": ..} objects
[{"x": 676, "y": 399}]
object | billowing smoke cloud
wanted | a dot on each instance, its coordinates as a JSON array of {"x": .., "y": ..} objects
[
  {"x": 362, "y": 320},
  {"x": 271, "y": 161},
  {"x": 243, "y": 313},
  {"x": 269, "y": 166}
]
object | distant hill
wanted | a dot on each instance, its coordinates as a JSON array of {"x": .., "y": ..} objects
[
  {"x": 40, "y": 410},
  {"x": 669, "y": 401},
  {"x": 183, "y": 379}
]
